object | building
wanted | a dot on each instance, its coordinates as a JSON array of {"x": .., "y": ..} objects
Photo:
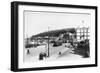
[{"x": 82, "y": 33}]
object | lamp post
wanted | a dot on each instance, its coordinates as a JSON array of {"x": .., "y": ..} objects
[{"x": 48, "y": 43}]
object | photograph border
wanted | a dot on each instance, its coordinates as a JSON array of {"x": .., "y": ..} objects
[{"x": 14, "y": 35}]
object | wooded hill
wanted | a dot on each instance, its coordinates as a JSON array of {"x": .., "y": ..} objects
[{"x": 54, "y": 33}]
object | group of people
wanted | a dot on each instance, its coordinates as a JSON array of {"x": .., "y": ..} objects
[{"x": 42, "y": 55}]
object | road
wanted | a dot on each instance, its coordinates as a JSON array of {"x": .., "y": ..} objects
[{"x": 66, "y": 54}]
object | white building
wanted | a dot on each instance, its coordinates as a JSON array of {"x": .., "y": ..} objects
[{"x": 82, "y": 33}]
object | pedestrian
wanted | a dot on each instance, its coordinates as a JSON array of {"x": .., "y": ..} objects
[
  {"x": 59, "y": 53},
  {"x": 28, "y": 52},
  {"x": 44, "y": 55},
  {"x": 41, "y": 56}
]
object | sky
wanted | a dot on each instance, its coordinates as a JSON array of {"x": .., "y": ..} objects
[{"x": 37, "y": 22}]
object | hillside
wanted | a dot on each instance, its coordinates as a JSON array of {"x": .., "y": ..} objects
[{"x": 54, "y": 33}]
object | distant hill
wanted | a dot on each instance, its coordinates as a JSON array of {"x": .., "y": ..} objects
[{"x": 54, "y": 33}]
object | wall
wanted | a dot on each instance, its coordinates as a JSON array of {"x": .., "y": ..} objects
[{"x": 5, "y": 17}]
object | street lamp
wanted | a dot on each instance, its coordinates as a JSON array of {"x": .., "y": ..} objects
[{"x": 48, "y": 43}]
